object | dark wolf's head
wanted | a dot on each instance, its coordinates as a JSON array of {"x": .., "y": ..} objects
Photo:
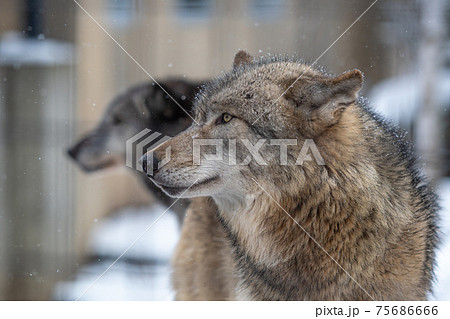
[
  {"x": 265, "y": 119},
  {"x": 142, "y": 106}
]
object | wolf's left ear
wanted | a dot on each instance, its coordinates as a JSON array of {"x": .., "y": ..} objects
[
  {"x": 335, "y": 95},
  {"x": 241, "y": 58}
]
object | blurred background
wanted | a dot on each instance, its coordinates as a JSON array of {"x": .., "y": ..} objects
[{"x": 61, "y": 228}]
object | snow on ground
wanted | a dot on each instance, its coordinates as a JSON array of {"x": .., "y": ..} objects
[
  {"x": 112, "y": 236},
  {"x": 121, "y": 282},
  {"x": 143, "y": 273}
]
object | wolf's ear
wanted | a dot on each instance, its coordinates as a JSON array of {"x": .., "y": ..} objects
[
  {"x": 336, "y": 94},
  {"x": 241, "y": 58},
  {"x": 325, "y": 99}
]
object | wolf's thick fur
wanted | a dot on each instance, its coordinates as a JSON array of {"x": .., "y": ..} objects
[
  {"x": 361, "y": 226},
  {"x": 203, "y": 264}
]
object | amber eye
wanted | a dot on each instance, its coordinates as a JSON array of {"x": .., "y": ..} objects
[
  {"x": 227, "y": 117},
  {"x": 224, "y": 118}
]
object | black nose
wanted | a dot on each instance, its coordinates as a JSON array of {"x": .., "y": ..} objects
[
  {"x": 154, "y": 163},
  {"x": 75, "y": 149},
  {"x": 72, "y": 153}
]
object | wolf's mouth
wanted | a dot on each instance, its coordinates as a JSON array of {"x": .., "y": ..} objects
[
  {"x": 99, "y": 165},
  {"x": 176, "y": 190}
]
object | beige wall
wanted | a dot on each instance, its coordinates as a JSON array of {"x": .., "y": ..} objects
[
  {"x": 10, "y": 11},
  {"x": 102, "y": 193}
]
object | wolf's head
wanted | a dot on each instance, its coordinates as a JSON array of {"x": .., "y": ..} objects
[
  {"x": 142, "y": 106},
  {"x": 264, "y": 120}
]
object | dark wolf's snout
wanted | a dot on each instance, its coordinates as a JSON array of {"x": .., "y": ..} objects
[
  {"x": 85, "y": 154},
  {"x": 74, "y": 150},
  {"x": 145, "y": 161}
]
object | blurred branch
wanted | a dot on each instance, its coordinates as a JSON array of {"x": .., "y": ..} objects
[
  {"x": 429, "y": 129},
  {"x": 34, "y": 20}
]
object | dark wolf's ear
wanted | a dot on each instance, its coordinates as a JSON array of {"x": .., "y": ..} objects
[{"x": 241, "y": 58}]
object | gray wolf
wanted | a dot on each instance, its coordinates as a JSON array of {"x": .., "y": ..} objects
[
  {"x": 361, "y": 226},
  {"x": 144, "y": 105}
]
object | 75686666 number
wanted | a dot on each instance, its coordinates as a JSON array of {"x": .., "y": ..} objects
[{"x": 407, "y": 310}]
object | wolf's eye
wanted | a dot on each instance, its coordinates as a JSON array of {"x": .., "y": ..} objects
[{"x": 224, "y": 118}]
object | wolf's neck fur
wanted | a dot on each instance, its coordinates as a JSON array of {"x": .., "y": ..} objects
[{"x": 332, "y": 214}]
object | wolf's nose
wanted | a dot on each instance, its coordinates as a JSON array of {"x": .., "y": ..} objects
[
  {"x": 72, "y": 152},
  {"x": 144, "y": 162},
  {"x": 75, "y": 149}
]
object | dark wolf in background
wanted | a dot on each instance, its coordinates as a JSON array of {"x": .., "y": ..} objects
[
  {"x": 142, "y": 106},
  {"x": 283, "y": 232}
]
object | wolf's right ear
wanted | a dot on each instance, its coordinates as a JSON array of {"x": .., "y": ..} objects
[
  {"x": 326, "y": 97},
  {"x": 334, "y": 96},
  {"x": 241, "y": 58}
]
